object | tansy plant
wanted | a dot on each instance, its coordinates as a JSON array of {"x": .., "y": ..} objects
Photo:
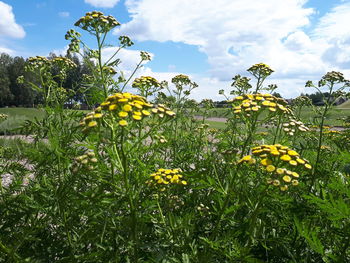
[
  {"x": 281, "y": 165},
  {"x": 335, "y": 84},
  {"x": 106, "y": 79}
]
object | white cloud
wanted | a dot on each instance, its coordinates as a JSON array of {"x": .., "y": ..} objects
[
  {"x": 8, "y": 25},
  {"x": 102, "y": 3},
  {"x": 237, "y": 34},
  {"x": 333, "y": 33},
  {"x": 63, "y": 14},
  {"x": 6, "y": 50},
  {"x": 233, "y": 34}
]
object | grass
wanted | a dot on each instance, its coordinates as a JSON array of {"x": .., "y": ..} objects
[
  {"x": 345, "y": 105},
  {"x": 307, "y": 115},
  {"x": 216, "y": 124},
  {"x": 17, "y": 117}
]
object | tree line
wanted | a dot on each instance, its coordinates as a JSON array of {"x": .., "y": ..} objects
[{"x": 14, "y": 93}]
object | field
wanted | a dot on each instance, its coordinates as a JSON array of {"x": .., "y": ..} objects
[
  {"x": 18, "y": 116},
  {"x": 140, "y": 178}
]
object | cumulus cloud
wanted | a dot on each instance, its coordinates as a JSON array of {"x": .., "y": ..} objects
[
  {"x": 8, "y": 25},
  {"x": 102, "y": 3},
  {"x": 6, "y": 50},
  {"x": 333, "y": 34},
  {"x": 233, "y": 34},
  {"x": 237, "y": 34},
  {"x": 63, "y": 14}
]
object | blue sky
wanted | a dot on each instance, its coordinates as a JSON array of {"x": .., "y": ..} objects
[{"x": 209, "y": 40}]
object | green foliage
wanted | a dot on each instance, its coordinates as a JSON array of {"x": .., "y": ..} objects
[{"x": 141, "y": 179}]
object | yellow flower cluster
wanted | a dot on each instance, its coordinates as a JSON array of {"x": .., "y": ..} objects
[
  {"x": 280, "y": 162},
  {"x": 96, "y": 19},
  {"x": 63, "y": 62},
  {"x": 125, "y": 107},
  {"x": 331, "y": 132},
  {"x": 85, "y": 161},
  {"x": 260, "y": 69},
  {"x": 250, "y": 103},
  {"x": 166, "y": 177},
  {"x": 145, "y": 81},
  {"x": 37, "y": 62}
]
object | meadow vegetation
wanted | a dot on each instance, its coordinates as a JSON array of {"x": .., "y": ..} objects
[{"x": 140, "y": 178}]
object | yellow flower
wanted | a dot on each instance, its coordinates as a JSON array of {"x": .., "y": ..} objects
[
  {"x": 123, "y": 100},
  {"x": 292, "y": 162},
  {"x": 284, "y": 188},
  {"x": 308, "y": 166},
  {"x": 98, "y": 115},
  {"x": 295, "y": 174},
  {"x": 295, "y": 182},
  {"x": 292, "y": 153},
  {"x": 139, "y": 106},
  {"x": 136, "y": 117},
  {"x": 145, "y": 112},
  {"x": 266, "y": 162},
  {"x": 112, "y": 107},
  {"x": 276, "y": 182},
  {"x": 301, "y": 161},
  {"x": 122, "y": 114},
  {"x": 170, "y": 113},
  {"x": 127, "y": 108},
  {"x": 123, "y": 123},
  {"x": 265, "y": 103},
  {"x": 127, "y": 95},
  {"x": 275, "y": 152},
  {"x": 287, "y": 178},
  {"x": 184, "y": 182},
  {"x": 285, "y": 157},
  {"x": 270, "y": 168},
  {"x": 280, "y": 171},
  {"x": 92, "y": 124}
]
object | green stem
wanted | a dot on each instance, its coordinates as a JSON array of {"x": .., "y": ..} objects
[
  {"x": 320, "y": 139},
  {"x": 103, "y": 83}
]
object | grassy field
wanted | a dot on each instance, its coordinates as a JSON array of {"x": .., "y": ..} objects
[
  {"x": 307, "y": 115},
  {"x": 18, "y": 116}
]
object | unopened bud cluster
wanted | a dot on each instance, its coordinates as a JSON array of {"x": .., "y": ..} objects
[
  {"x": 86, "y": 161},
  {"x": 145, "y": 81},
  {"x": 260, "y": 70},
  {"x": 97, "y": 21}
]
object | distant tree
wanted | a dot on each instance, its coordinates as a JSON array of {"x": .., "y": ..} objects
[
  {"x": 23, "y": 95},
  {"x": 5, "y": 93}
]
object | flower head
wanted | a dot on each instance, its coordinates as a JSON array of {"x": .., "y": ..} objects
[
  {"x": 167, "y": 177},
  {"x": 283, "y": 168}
]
